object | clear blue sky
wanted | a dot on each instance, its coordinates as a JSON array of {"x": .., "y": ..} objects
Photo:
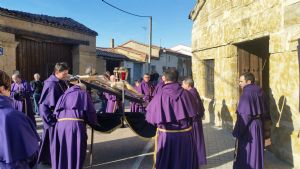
[{"x": 171, "y": 25}]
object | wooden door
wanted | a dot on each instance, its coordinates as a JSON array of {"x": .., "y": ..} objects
[
  {"x": 37, "y": 56},
  {"x": 249, "y": 62}
]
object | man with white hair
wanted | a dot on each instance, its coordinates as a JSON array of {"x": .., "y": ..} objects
[
  {"x": 21, "y": 93},
  {"x": 19, "y": 139},
  {"x": 37, "y": 87}
]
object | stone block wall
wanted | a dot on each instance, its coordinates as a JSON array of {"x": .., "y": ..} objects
[
  {"x": 219, "y": 26},
  {"x": 155, "y": 51},
  {"x": 221, "y": 110},
  {"x": 83, "y": 55},
  {"x": 8, "y": 59}
]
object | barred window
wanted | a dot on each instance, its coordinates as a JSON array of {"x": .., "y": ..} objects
[{"x": 209, "y": 78}]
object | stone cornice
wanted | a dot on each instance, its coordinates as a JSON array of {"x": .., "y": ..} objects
[
  {"x": 54, "y": 38},
  {"x": 195, "y": 12}
]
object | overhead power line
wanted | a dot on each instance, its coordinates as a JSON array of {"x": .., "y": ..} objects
[
  {"x": 150, "y": 29},
  {"x": 130, "y": 13}
]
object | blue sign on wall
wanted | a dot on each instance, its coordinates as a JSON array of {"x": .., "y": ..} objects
[{"x": 1, "y": 51}]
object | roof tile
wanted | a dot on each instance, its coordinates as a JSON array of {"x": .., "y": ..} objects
[{"x": 61, "y": 22}]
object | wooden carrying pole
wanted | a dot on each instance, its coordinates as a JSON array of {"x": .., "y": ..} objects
[{"x": 91, "y": 148}]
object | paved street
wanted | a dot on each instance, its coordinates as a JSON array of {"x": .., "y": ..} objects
[
  {"x": 122, "y": 149},
  {"x": 219, "y": 149}
]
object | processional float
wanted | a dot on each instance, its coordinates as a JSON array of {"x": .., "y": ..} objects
[{"x": 122, "y": 90}]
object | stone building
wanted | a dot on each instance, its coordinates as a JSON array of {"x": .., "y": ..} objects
[
  {"x": 34, "y": 43},
  {"x": 134, "y": 56},
  {"x": 230, "y": 37},
  {"x": 161, "y": 59},
  {"x": 111, "y": 58}
]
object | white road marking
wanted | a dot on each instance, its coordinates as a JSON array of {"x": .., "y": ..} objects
[
  {"x": 137, "y": 163},
  {"x": 220, "y": 153},
  {"x": 123, "y": 159}
]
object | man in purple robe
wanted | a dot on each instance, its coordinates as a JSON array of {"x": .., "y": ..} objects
[
  {"x": 21, "y": 93},
  {"x": 73, "y": 111},
  {"x": 248, "y": 130},
  {"x": 172, "y": 111},
  {"x": 136, "y": 107},
  {"x": 19, "y": 139},
  {"x": 146, "y": 88},
  {"x": 53, "y": 88},
  {"x": 113, "y": 103},
  {"x": 159, "y": 85},
  {"x": 188, "y": 84}
]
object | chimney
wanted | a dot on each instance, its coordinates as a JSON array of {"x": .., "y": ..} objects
[{"x": 112, "y": 43}]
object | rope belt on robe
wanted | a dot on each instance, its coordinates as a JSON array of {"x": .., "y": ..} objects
[
  {"x": 166, "y": 131},
  {"x": 70, "y": 119},
  {"x": 174, "y": 131}
]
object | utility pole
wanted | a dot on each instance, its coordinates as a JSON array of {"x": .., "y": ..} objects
[{"x": 150, "y": 45}]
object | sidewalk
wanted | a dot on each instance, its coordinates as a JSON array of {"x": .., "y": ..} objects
[{"x": 220, "y": 148}]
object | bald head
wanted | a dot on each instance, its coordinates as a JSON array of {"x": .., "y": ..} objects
[
  {"x": 113, "y": 78},
  {"x": 36, "y": 77}
]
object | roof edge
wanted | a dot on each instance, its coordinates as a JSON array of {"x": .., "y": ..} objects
[{"x": 5, "y": 12}]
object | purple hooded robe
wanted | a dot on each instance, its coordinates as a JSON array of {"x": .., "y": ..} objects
[
  {"x": 146, "y": 88},
  {"x": 52, "y": 90},
  {"x": 136, "y": 107},
  {"x": 172, "y": 110},
  {"x": 21, "y": 94},
  {"x": 74, "y": 110},
  {"x": 158, "y": 87},
  {"x": 249, "y": 129},
  {"x": 112, "y": 103},
  {"x": 198, "y": 128},
  {"x": 19, "y": 139}
]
